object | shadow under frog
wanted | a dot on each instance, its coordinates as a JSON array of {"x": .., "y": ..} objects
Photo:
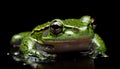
[{"x": 70, "y": 62}]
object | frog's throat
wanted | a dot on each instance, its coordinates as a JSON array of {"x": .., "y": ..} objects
[{"x": 79, "y": 44}]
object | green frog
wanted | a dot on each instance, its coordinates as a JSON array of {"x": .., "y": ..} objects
[{"x": 45, "y": 41}]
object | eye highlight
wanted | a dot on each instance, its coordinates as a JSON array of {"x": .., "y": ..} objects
[{"x": 56, "y": 27}]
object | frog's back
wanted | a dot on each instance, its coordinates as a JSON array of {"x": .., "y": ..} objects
[
  {"x": 72, "y": 22},
  {"x": 77, "y": 22}
]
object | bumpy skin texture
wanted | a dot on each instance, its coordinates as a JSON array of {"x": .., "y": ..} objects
[{"x": 44, "y": 42}]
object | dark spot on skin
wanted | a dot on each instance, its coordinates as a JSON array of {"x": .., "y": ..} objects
[{"x": 45, "y": 33}]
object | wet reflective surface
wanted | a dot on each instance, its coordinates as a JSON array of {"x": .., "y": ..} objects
[
  {"x": 84, "y": 63},
  {"x": 62, "y": 63}
]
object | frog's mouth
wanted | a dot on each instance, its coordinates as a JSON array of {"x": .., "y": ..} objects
[{"x": 67, "y": 45}]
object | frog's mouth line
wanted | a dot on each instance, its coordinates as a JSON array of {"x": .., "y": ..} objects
[{"x": 78, "y": 44}]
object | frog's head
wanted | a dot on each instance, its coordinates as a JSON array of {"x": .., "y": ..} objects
[
  {"x": 69, "y": 29},
  {"x": 68, "y": 34}
]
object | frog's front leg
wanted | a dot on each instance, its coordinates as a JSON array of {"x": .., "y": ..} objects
[
  {"x": 99, "y": 46},
  {"x": 33, "y": 55}
]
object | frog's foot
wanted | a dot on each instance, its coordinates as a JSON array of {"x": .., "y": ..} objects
[
  {"x": 90, "y": 53},
  {"x": 98, "y": 53},
  {"x": 94, "y": 54},
  {"x": 43, "y": 57},
  {"x": 15, "y": 53},
  {"x": 47, "y": 57},
  {"x": 33, "y": 61}
]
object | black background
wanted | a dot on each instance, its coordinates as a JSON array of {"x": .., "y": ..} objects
[{"x": 24, "y": 16}]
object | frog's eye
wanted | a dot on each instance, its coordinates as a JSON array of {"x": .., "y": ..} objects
[{"x": 56, "y": 27}]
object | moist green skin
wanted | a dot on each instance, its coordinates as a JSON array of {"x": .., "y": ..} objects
[{"x": 35, "y": 44}]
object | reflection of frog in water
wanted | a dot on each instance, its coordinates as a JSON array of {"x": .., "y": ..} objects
[{"x": 44, "y": 42}]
